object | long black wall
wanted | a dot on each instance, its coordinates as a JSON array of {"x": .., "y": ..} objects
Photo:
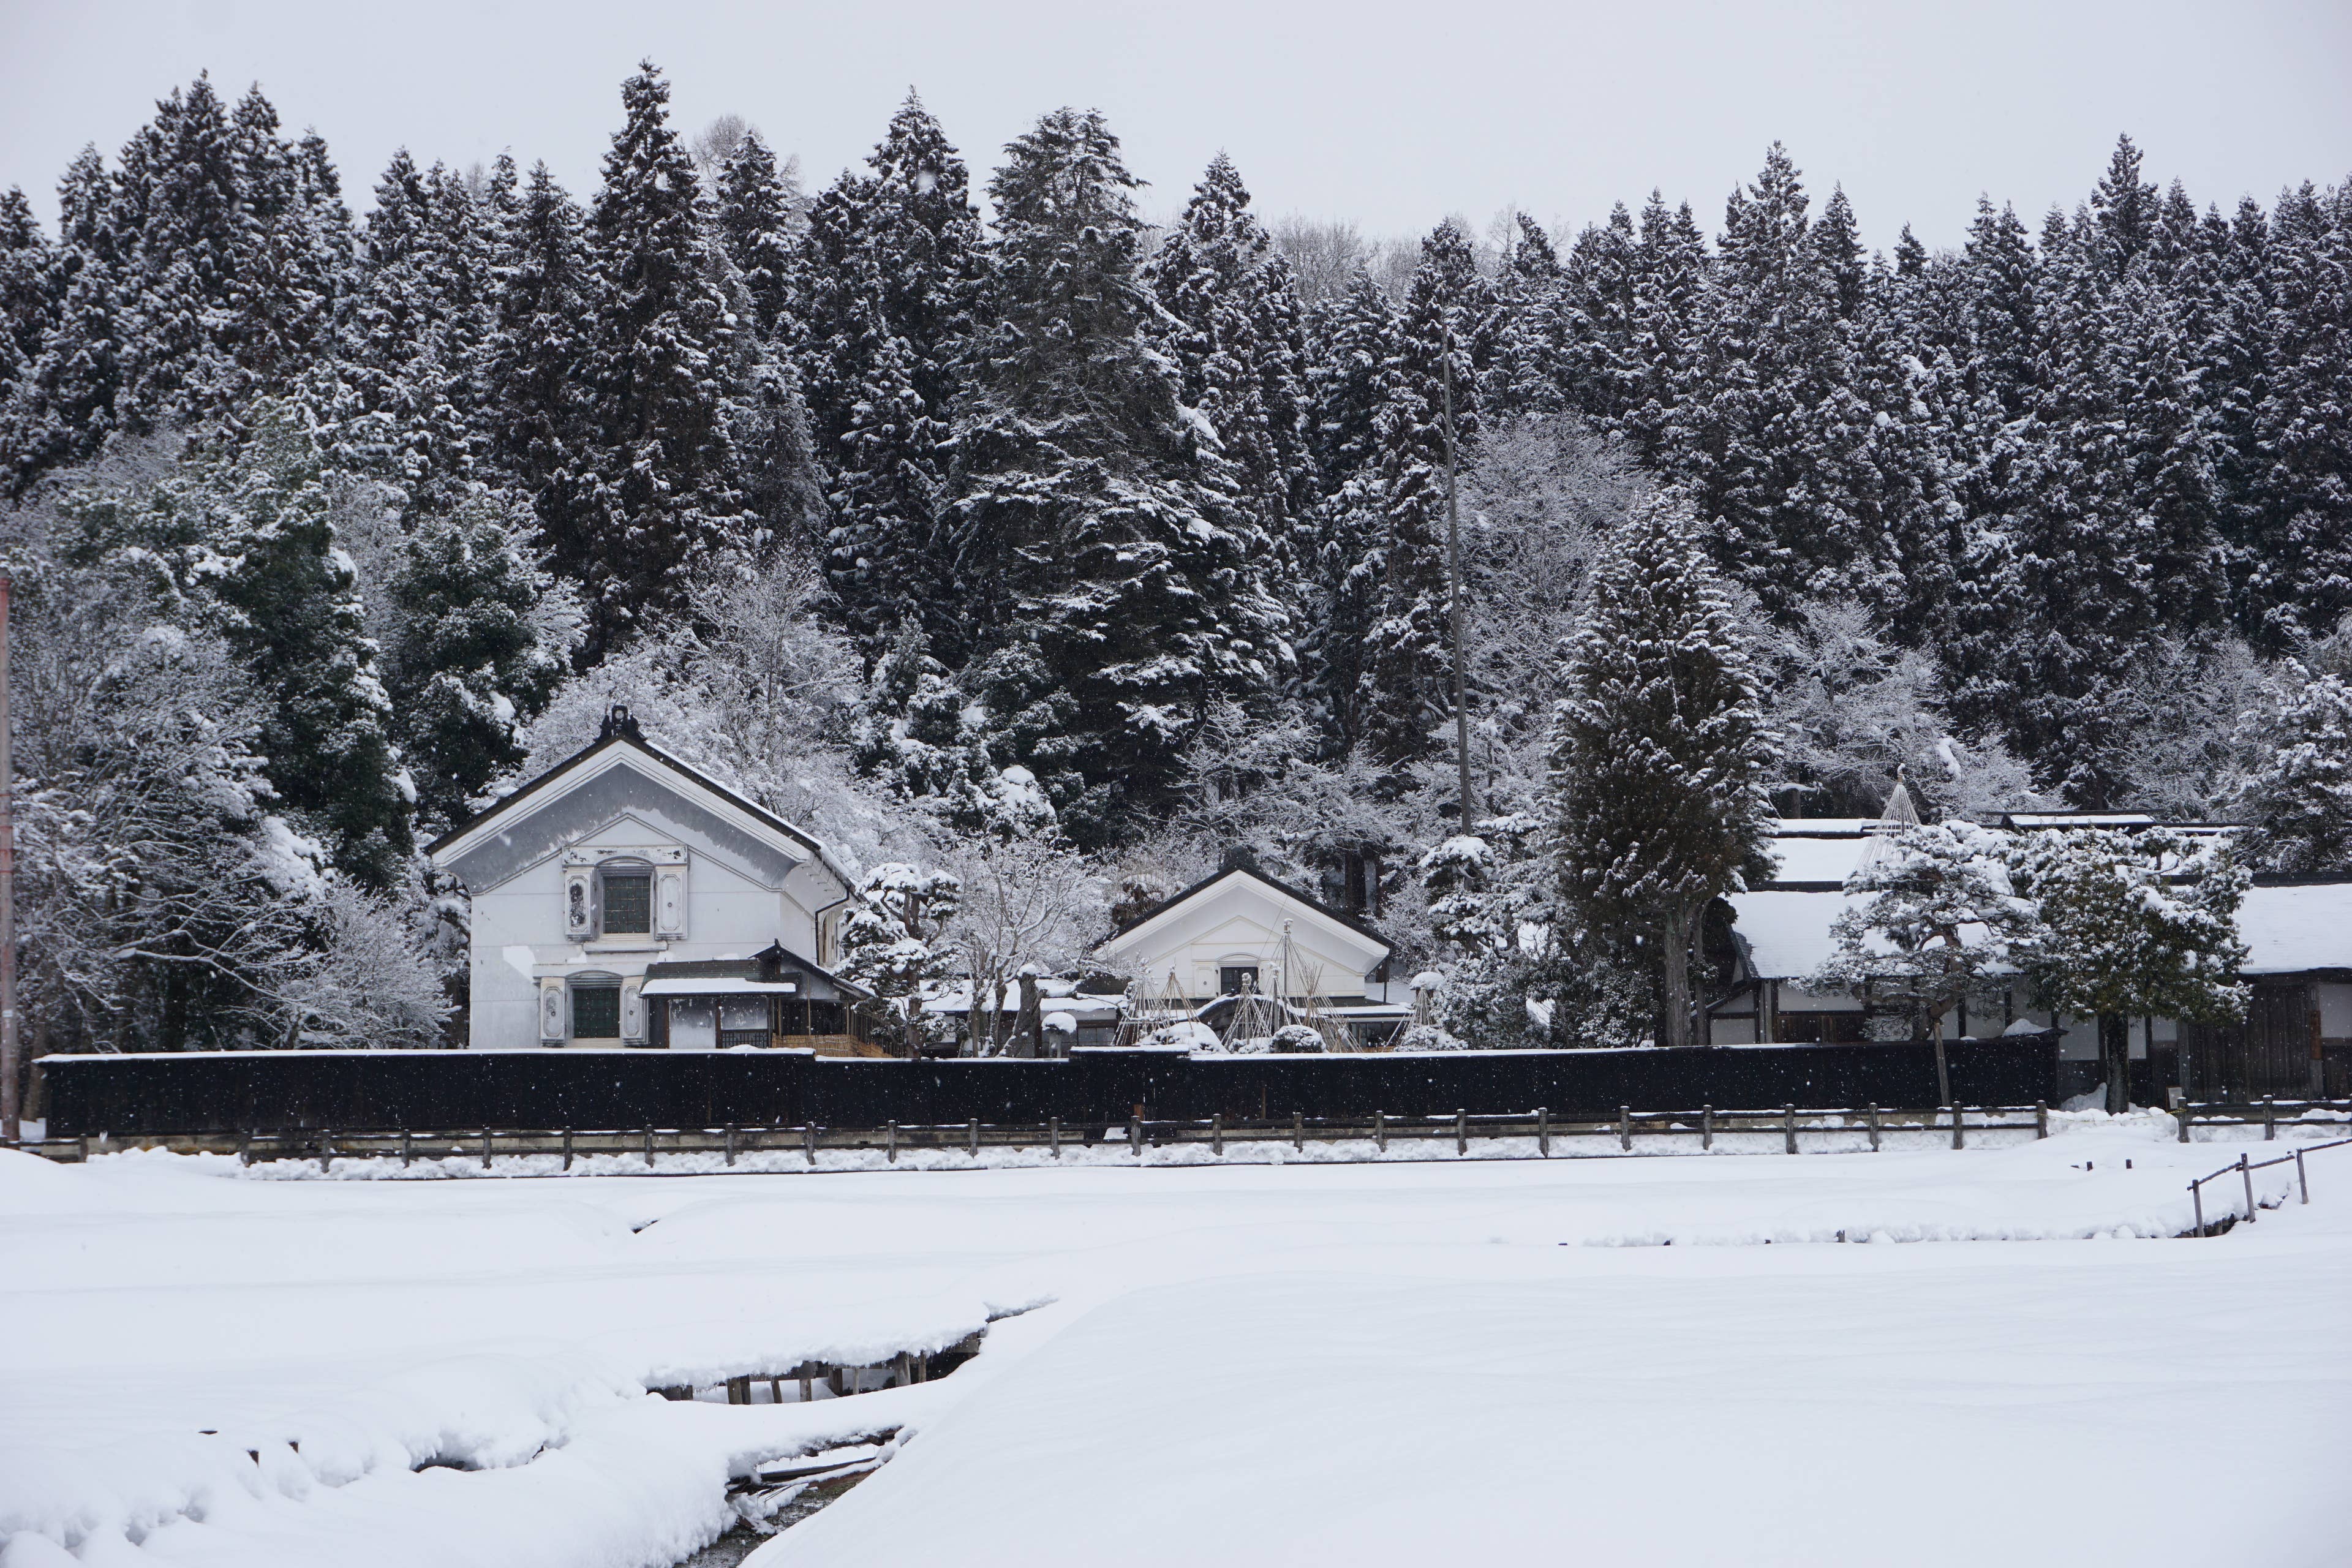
[{"x": 282, "y": 1092}]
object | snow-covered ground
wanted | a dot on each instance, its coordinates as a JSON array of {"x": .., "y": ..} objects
[{"x": 1311, "y": 1362}]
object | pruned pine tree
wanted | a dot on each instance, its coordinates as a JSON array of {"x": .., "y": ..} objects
[
  {"x": 1936, "y": 921},
  {"x": 667, "y": 498},
  {"x": 1661, "y": 752},
  {"x": 1115, "y": 581},
  {"x": 1445, "y": 339},
  {"x": 2132, "y": 926},
  {"x": 2299, "y": 800}
]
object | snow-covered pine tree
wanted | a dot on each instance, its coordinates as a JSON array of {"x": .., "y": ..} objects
[
  {"x": 1234, "y": 328},
  {"x": 543, "y": 303},
  {"x": 2132, "y": 926},
  {"x": 1599, "y": 359},
  {"x": 1669, "y": 295},
  {"x": 2303, "y": 526},
  {"x": 1935, "y": 919},
  {"x": 30, "y": 284},
  {"x": 752, "y": 208},
  {"x": 667, "y": 498},
  {"x": 1115, "y": 581},
  {"x": 292, "y": 258},
  {"x": 478, "y": 637},
  {"x": 1661, "y": 753},
  {"x": 1531, "y": 373},
  {"x": 178, "y": 210},
  {"x": 1444, "y": 334},
  {"x": 246, "y": 533},
  {"x": 2300, "y": 797},
  {"x": 888, "y": 268},
  {"x": 63, "y": 406},
  {"x": 1759, "y": 430}
]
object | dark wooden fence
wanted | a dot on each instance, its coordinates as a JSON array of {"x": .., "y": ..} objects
[{"x": 294, "y": 1092}]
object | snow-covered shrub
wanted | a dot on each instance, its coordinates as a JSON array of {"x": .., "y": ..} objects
[
  {"x": 1294, "y": 1039},
  {"x": 1430, "y": 1038}
]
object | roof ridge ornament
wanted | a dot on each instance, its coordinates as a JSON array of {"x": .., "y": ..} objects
[{"x": 617, "y": 723}]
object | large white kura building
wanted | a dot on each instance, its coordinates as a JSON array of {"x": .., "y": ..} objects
[{"x": 621, "y": 899}]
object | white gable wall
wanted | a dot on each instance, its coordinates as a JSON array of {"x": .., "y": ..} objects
[{"x": 1237, "y": 922}]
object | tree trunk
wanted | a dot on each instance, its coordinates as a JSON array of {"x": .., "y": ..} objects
[
  {"x": 2115, "y": 1047},
  {"x": 1677, "y": 965},
  {"x": 1028, "y": 1034}
]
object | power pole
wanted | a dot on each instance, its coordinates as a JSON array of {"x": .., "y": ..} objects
[
  {"x": 1453, "y": 588},
  {"x": 8, "y": 1070}
]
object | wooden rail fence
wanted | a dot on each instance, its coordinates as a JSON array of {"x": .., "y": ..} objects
[{"x": 1703, "y": 1125}]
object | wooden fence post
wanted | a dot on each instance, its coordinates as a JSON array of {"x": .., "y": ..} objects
[
  {"x": 1789, "y": 1126},
  {"x": 1217, "y": 1133},
  {"x": 808, "y": 1142},
  {"x": 2196, "y": 1196},
  {"x": 1625, "y": 1129},
  {"x": 2270, "y": 1118},
  {"x": 974, "y": 1129},
  {"x": 245, "y": 1147},
  {"x": 1873, "y": 1129},
  {"x": 2041, "y": 1119},
  {"x": 1959, "y": 1140},
  {"x": 485, "y": 1148},
  {"x": 1381, "y": 1129},
  {"x": 2246, "y": 1173},
  {"x": 2302, "y": 1180},
  {"x": 326, "y": 1149},
  {"x": 730, "y": 1160},
  {"x": 1054, "y": 1135},
  {"x": 649, "y": 1146},
  {"x": 1543, "y": 1131},
  {"x": 1135, "y": 1136},
  {"x": 567, "y": 1147},
  {"x": 1462, "y": 1132},
  {"x": 893, "y": 1154},
  {"x": 1707, "y": 1126},
  {"x": 404, "y": 1153},
  {"x": 1299, "y": 1131}
]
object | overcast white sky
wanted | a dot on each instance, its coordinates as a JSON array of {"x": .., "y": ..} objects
[{"x": 1391, "y": 115}]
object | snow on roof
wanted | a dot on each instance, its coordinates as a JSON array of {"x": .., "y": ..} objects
[
  {"x": 1788, "y": 933},
  {"x": 1826, "y": 826},
  {"x": 2287, "y": 930},
  {"x": 2297, "y": 927},
  {"x": 1817, "y": 860}
]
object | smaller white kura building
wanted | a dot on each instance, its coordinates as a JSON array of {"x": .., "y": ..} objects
[
  {"x": 621, "y": 899},
  {"x": 1241, "y": 928}
]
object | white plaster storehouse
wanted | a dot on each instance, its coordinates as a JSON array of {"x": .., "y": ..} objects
[
  {"x": 622, "y": 899},
  {"x": 1217, "y": 935}
]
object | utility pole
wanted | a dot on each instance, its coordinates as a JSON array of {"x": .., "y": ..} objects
[
  {"x": 8, "y": 1069},
  {"x": 1453, "y": 587}
]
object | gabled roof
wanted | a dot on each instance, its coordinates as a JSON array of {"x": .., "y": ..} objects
[
  {"x": 767, "y": 965},
  {"x": 1288, "y": 891},
  {"x": 621, "y": 731}
]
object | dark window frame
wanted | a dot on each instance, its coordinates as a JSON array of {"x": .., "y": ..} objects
[
  {"x": 643, "y": 877},
  {"x": 581, "y": 990}
]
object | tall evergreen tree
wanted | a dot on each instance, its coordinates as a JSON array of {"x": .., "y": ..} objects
[
  {"x": 1444, "y": 337},
  {"x": 1661, "y": 753},
  {"x": 1234, "y": 328},
  {"x": 1101, "y": 543},
  {"x": 544, "y": 304},
  {"x": 889, "y": 268},
  {"x": 665, "y": 496}
]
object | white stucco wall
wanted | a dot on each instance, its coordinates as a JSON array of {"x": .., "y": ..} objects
[
  {"x": 519, "y": 939},
  {"x": 1239, "y": 922}
]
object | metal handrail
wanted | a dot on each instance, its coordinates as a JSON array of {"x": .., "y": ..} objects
[{"x": 2245, "y": 1173}]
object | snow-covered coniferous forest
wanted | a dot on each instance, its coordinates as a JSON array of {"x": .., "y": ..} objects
[{"x": 1056, "y": 537}]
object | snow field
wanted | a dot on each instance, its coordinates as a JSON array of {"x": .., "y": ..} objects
[{"x": 1238, "y": 1362}]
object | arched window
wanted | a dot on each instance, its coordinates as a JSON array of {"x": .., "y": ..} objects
[{"x": 595, "y": 1006}]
